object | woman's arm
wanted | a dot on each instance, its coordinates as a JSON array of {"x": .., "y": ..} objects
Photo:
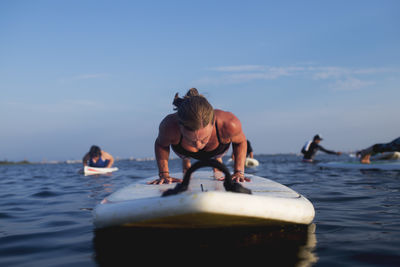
[
  {"x": 85, "y": 159},
  {"x": 232, "y": 130},
  {"x": 108, "y": 157},
  {"x": 161, "y": 149}
]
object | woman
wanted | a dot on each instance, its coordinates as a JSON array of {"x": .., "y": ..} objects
[
  {"x": 198, "y": 131},
  {"x": 365, "y": 154},
  {"x": 98, "y": 158}
]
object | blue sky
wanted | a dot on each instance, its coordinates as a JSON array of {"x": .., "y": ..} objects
[{"x": 77, "y": 73}]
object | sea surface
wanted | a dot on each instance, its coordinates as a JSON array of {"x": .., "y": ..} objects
[{"x": 46, "y": 220}]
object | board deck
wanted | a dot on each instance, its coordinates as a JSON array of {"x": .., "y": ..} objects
[
  {"x": 92, "y": 170},
  {"x": 206, "y": 204},
  {"x": 374, "y": 165}
]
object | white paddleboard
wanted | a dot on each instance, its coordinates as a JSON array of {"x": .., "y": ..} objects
[
  {"x": 374, "y": 165},
  {"x": 93, "y": 170},
  {"x": 205, "y": 204},
  {"x": 250, "y": 162}
]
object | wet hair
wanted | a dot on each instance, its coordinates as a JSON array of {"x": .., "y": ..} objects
[
  {"x": 94, "y": 152},
  {"x": 194, "y": 111}
]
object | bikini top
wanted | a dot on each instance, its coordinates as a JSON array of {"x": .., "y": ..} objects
[
  {"x": 100, "y": 163},
  {"x": 201, "y": 154}
]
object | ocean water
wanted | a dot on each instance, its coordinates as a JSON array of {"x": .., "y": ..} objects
[{"x": 46, "y": 220}]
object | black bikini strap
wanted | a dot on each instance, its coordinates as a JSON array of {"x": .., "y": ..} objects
[
  {"x": 180, "y": 140},
  {"x": 216, "y": 129}
]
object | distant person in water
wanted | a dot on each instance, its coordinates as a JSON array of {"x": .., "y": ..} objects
[
  {"x": 365, "y": 154},
  {"x": 249, "y": 153},
  {"x": 311, "y": 148},
  {"x": 98, "y": 158},
  {"x": 197, "y": 130}
]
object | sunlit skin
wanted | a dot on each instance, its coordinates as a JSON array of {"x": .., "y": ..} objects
[
  {"x": 196, "y": 140},
  {"x": 366, "y": 159},
  {"x": 205, "y": 138},
  {"x": 366, "y": 155}
]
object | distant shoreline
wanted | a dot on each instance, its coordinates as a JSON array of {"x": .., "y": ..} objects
[
  {"x": 172, "y": 157},
  {"x": 6, "y": 162},
  {"x": 25, "y": 162}
]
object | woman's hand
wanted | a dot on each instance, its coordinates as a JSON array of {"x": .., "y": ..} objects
[
  {"x": 165, "y": 179},
  {"x": 238, "y": 176}
]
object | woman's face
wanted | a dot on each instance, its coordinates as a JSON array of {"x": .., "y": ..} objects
[{"x": 198, "y": 138}]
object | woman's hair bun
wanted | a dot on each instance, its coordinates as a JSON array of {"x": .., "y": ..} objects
[{"x": 178, "y": 100}]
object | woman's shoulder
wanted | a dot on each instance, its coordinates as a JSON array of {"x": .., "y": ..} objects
[
  {"x": 170, "y": 122},
  {"x": 223, "y": 115},
  {"x": 105, "y": 154},
  {"x": 228, "y": 124},
  {"x": 169, "y": 128}
]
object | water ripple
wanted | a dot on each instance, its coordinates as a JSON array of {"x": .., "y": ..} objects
[{"x": 46, "y": 219}]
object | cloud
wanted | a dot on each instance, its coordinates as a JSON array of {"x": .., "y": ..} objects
[
  {"x": 343, "y": 78},
  {"x": 64, "y": 106},
  {"x": 87, "y": 76},
  {"x": 321, "y": 73},
  {"x": 91, "y": 76},
  {"x": 265, "y": 72},
  {"x": 247, "y": 73},
  {"x": 351, "y": 84},
  {"x": 239, "y": 68},
  {"x": 337, "y": 72},
  {"x": 84, "y": 103}
]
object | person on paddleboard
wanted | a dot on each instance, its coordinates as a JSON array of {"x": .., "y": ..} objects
[
  {"x": 249, "y": 153},
  {"x": 98, "y": 158},
  {"x": 197, "y": 130},
  {"x": 365, "y": 154},
  {"x": 311, "y": 148}
]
